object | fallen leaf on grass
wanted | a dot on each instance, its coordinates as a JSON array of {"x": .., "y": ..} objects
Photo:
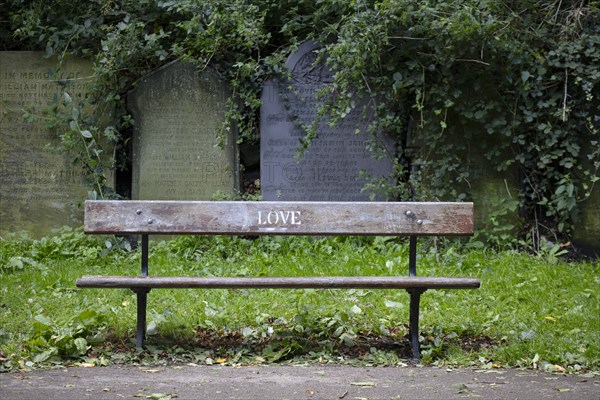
[
  {"x": 365, "y": 384},
  {"x": 86, "y": 365},
  {"x": 558, "y": 368}
]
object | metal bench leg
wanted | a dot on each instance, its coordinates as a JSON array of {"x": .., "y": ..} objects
[
  {"x": 415, "y": 299},
  {"x": 142, "y": 297}
]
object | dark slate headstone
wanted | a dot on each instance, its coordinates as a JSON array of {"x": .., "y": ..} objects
[
  {"x": 330, "y": 169},
  {"x": 178, "y": 112},
  {"x": 40, "y": 190}
]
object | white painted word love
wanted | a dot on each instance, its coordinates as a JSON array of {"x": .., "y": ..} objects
[{"x": 279, "y": 217}]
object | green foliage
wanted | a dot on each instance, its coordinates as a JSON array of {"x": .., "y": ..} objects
[
  {"x": 53, "y": 342},
  {"x": 516, "y": 84},
  {"x": 529, "y": 307},
  {"x": 24, "y": 253}
]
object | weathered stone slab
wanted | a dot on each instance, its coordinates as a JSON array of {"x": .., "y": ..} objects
[
  {"x": 587, "y": 228},
  {"x": 330, "y": 169},
  {"x": 40, "y": 190},
  {"x": 178, "y": 112},
  {"x": 494, "y": 193}
]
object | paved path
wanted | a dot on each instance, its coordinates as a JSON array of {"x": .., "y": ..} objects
[{"x": 300, "y": 382}]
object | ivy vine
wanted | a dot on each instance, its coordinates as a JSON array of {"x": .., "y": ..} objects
[{"x": 523, "y": 76}]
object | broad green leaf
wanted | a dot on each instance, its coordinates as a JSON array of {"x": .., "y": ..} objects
[
  {"x": 151, "y": 329},
  {"x": 355, "y": 310},
  {"x": 393, "y": 304},
  {"x": 81, "y": 345},
  {"x": 43, "y": 356},
  {"x": 42, "y": 319}
]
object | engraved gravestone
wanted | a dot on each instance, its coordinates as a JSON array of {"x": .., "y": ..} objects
[
  {"x": 40, "y": 190},
  {"x": 178, "y": 112},
  {"x": 330, "y": 169}
]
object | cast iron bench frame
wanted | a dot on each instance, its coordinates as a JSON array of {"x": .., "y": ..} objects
[{"x": 147, "y": 217}]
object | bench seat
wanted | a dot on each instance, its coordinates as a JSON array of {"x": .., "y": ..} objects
[{"x": 314, "y": 282}]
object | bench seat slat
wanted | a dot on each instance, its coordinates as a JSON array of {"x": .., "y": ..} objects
[
  {"x": 380, "y": 282},
  {"x": 278, "y": 218}
]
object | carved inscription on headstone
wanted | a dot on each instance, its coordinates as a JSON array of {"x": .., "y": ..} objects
[
  {"x": 330, "y": 169},
  {"x": 178, "y": 112},
  {"x": 40, "y": 190}
]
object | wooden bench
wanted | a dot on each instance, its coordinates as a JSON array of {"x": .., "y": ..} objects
[{"x": 280, "y": 218}]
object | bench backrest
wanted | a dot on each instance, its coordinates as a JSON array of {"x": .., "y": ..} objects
[{"x": 279, "y": 218}]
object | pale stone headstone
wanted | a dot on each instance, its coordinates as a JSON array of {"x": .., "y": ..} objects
[
  {"x": 178, "y": 112},
  {"x": 330, "y": 169},
  {"x": 40, "y": 190}
]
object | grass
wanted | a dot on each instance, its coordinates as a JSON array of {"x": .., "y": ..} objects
[{"x": 531, "y": 311}]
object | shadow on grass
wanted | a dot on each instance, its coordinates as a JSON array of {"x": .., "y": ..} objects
[{"x": 229, "y": 347}]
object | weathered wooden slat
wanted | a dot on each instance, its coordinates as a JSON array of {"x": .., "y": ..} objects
[
  {"x": 375, "y": 282},
  {"x": 279, "y": 218}
]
